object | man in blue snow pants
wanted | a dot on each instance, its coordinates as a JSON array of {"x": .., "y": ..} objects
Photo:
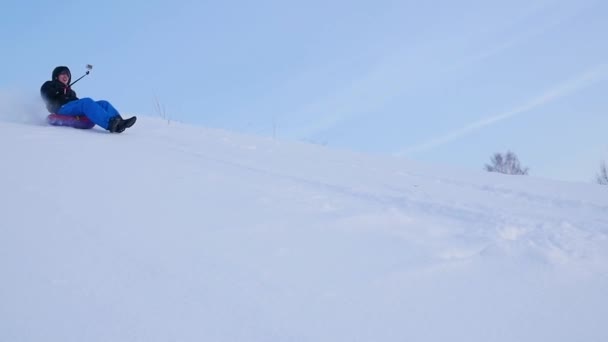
[{"x": 61, "y": 99}]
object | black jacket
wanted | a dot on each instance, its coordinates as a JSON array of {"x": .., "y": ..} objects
[{"x": 54, "y": 93}]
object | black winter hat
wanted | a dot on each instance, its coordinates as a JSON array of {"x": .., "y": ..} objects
[{"x": 58, "y": 70}]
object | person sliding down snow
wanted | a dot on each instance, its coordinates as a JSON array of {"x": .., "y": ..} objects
[{"x": 61, "y": 99}]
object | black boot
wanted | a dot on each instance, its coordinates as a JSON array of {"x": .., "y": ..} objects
[
  {"x": 114, "y": 124},
  {"x": 126, "y": 123},
  {"x": 118, "y": 125}
]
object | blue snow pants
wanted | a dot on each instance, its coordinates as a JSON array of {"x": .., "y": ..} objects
[{"x": 100, "y": 112}]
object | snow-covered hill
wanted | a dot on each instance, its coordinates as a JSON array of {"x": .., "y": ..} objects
[{"x": 181, "y": 233}]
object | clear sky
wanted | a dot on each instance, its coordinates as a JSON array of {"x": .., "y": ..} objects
[{"x": 446, "y": 82}]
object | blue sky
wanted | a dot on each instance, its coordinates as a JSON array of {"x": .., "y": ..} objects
[{"x": 446, "y": 82}]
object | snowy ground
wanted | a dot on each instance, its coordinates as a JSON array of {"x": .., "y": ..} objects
[{"x": 179, "y": 233}]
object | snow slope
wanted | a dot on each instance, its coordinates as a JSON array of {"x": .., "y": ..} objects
[{"x": 180, "y": 233}]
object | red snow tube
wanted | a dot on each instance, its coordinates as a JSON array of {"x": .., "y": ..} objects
[{"x": 71, "y": 121}]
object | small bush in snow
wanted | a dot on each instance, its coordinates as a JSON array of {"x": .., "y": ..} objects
[
  {"x": 160, "y": 110},
  {"x": 507, "y": 164},
  {"x": 602, "y": 176}
]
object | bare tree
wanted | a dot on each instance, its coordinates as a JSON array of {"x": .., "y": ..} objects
[
  {"x": 602, "y": 176},
  {"x": 507, "y": 164}
]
